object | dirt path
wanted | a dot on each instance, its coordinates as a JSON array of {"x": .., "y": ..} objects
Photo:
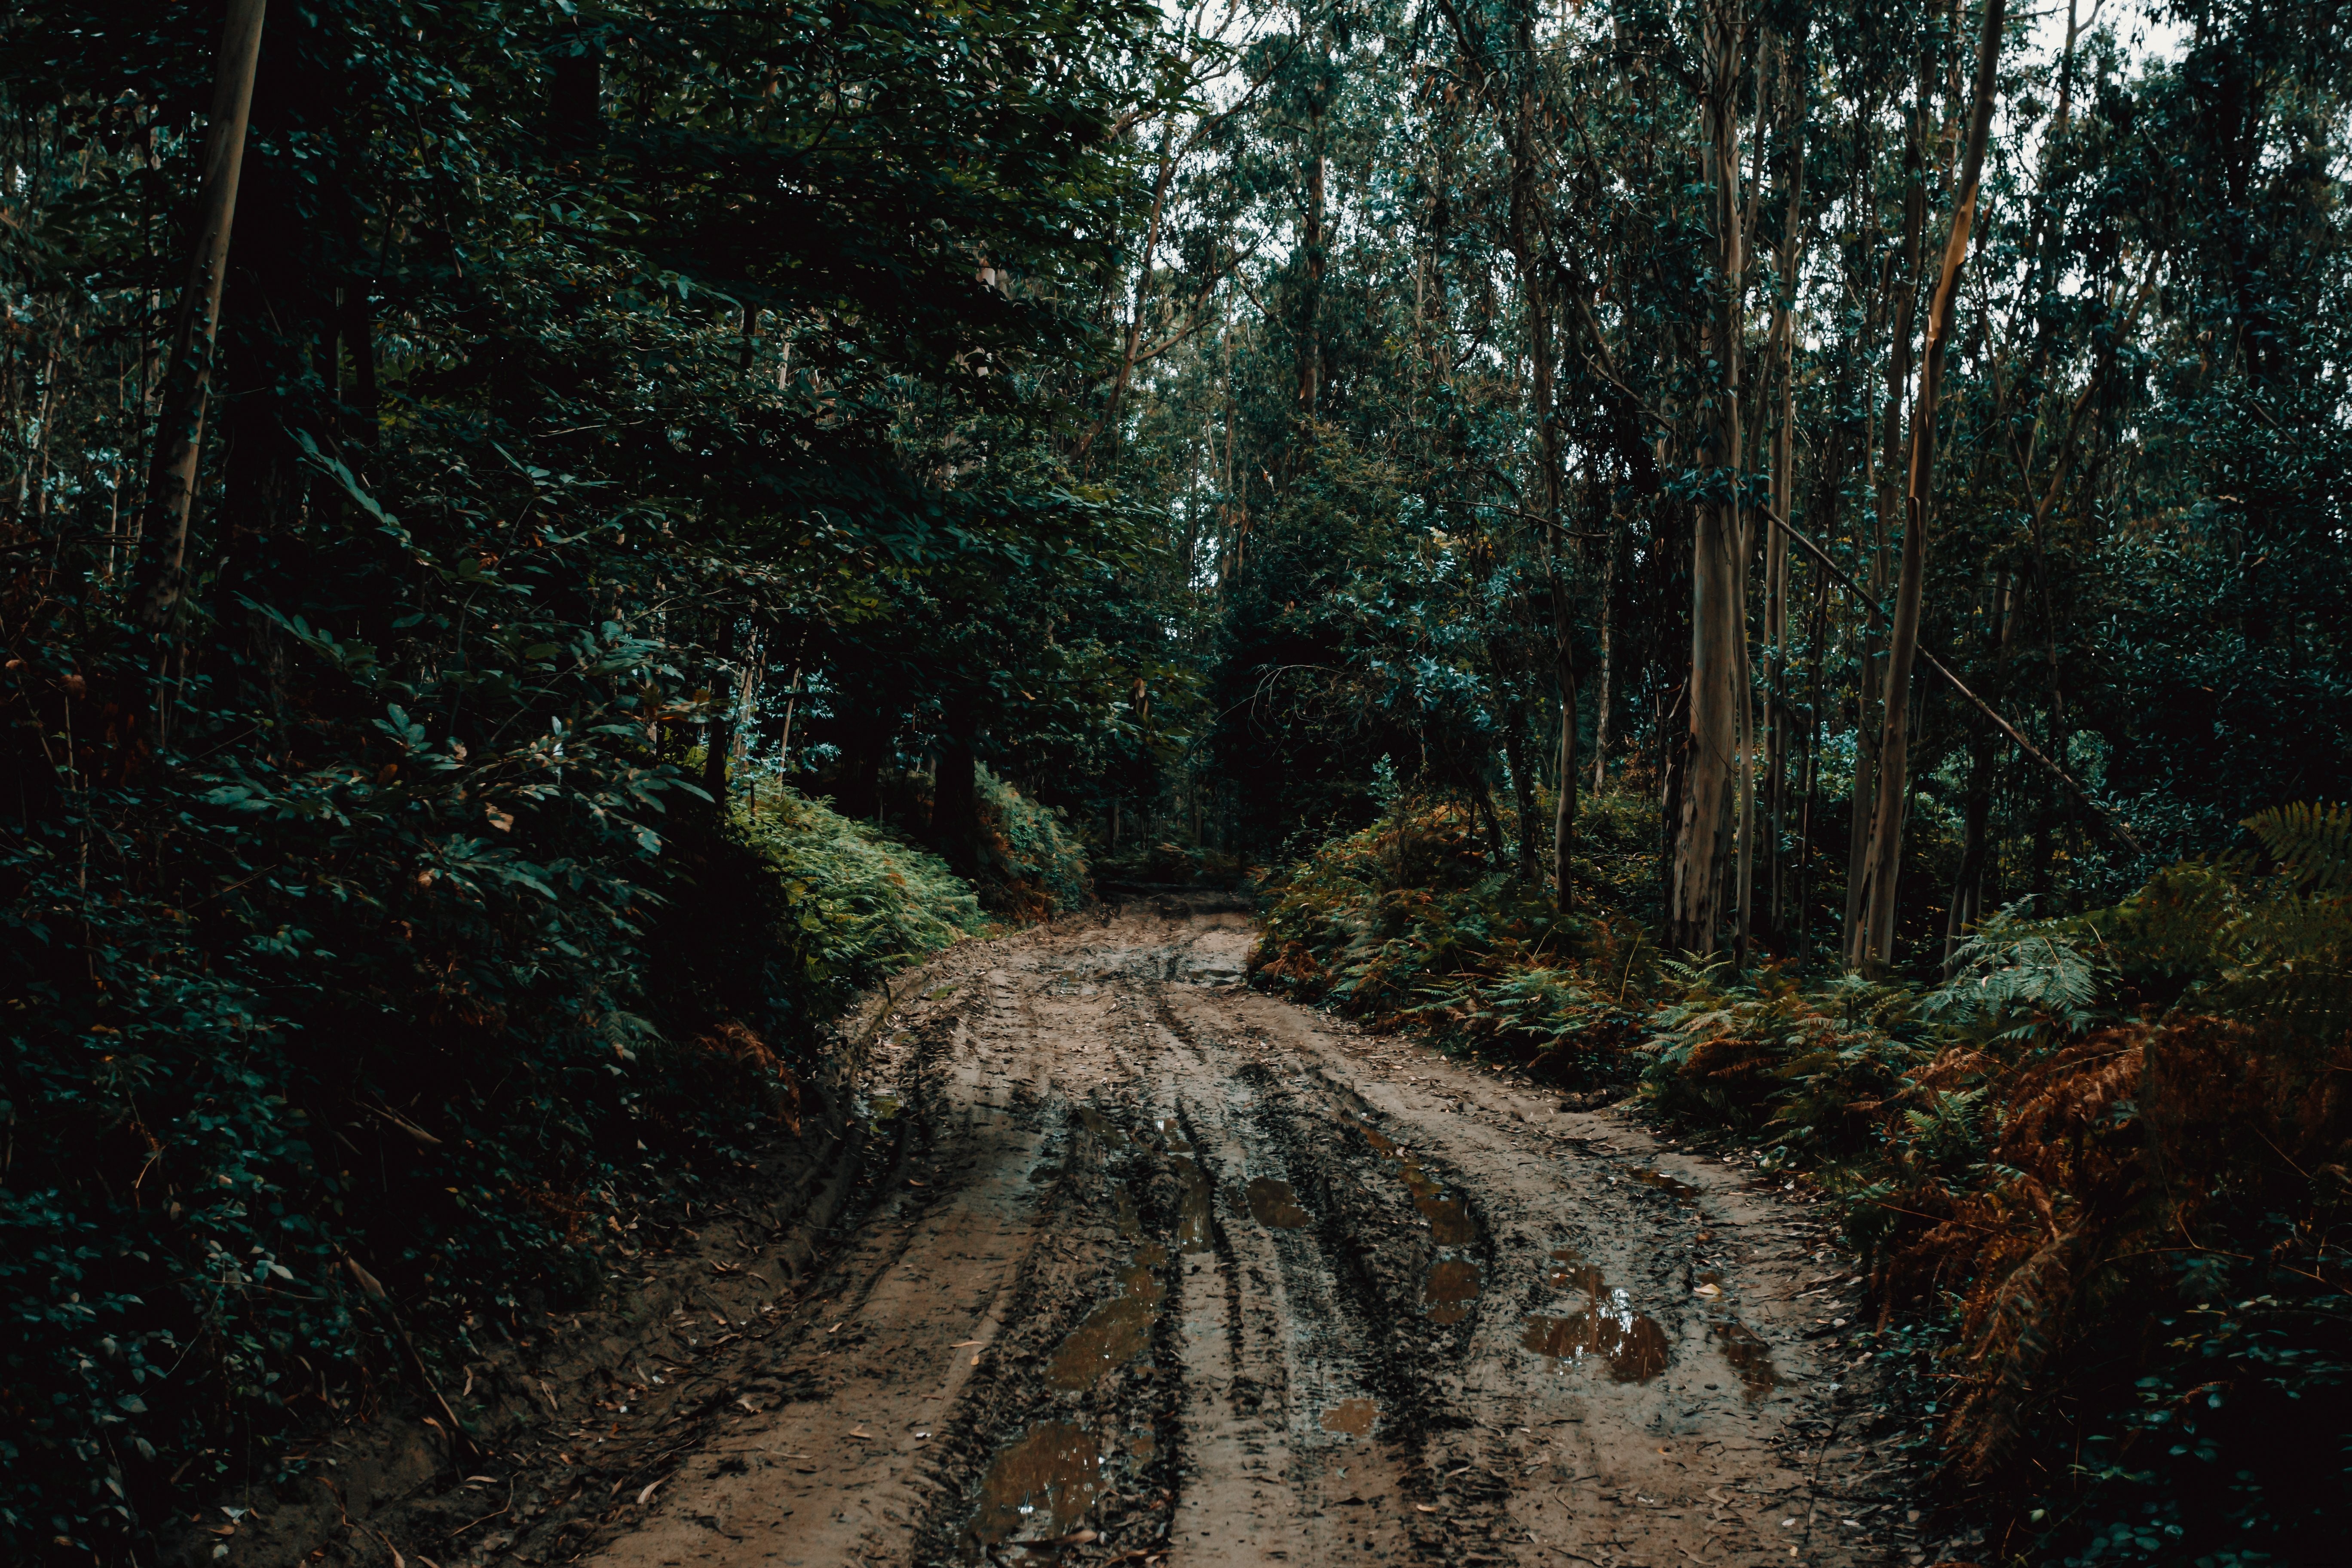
[{"x": 1166, "y": 1269}]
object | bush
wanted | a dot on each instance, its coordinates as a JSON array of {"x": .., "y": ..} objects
[
  {"x": 1032, "y": 865},
  {"x": 1410, "y": 921}
]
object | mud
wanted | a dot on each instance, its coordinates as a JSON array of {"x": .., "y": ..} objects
[{"x": 1149, "y": 1267}]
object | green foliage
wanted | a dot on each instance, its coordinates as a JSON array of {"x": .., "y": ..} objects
[
  {"x": 861, "y": 902},
  {"x": 1411, "y": 921},
  {"x": 2312, "y": 843},
  {"x": 369, "y": 915},
  {"x": 1033, "y": 864}
]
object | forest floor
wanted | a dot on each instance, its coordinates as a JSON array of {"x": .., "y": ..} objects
[
  {"x": 1129, "y": 1263},
  {"x": 1161, "y": 1266}
]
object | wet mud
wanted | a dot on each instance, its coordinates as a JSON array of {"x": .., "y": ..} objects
[{"x": 1156, "y": 1270}]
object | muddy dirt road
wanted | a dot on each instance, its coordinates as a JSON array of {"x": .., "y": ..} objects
[{"x": 1158, "y": 1268}]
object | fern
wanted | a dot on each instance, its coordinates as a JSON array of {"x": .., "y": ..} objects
[
  {"x": 2018, "y": 974},
  {"x": 2311, "y": 842}
]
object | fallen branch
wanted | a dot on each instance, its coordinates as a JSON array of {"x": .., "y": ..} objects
[{"x": 1878, "y": 617}]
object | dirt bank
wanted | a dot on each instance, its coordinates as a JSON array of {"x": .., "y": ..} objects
[{"x": 1132, "y": 1263}]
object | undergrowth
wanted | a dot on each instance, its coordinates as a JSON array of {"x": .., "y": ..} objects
[
  {"x": 2106, "y": 1167},
  {"x": 215, "y": 1230},
  {"x": 1031, "y": 864}
]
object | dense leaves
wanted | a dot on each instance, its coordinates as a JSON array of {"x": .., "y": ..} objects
[{"x": 593, "y": 384}]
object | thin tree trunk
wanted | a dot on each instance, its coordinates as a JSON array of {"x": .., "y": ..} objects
[
  {"x": 1902, "y": 640},
  {"x": 1310, "y": 345},
  {"x": 180, "y": 428},
  {"x": 1606, "y": 694},
  {"x": 1869, "y": 687},
  {"x": 719, "y": 744},
  {"x": 1820, "y": 637},
  {"x": 1108, "y": 426},
  {"x": 1776, "y": 545},
  {"x": 1705, "y": 833}
]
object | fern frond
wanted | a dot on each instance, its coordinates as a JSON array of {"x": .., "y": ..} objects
[{"x": 2312, "y": 843}]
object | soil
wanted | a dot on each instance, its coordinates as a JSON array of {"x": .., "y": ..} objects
[{"x": 1105, "y": 1257}]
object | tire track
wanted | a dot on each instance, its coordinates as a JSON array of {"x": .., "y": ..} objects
[{"x": 1158, "y": 1270}]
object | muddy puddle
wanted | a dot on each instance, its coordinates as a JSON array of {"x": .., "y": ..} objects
[
  {"x": 1351, "y": 1417},
  {"x": 1039, "y": 1488},
  {"x": 1195, "y": 1201},
  {"x": 1274, "y": 1205},
  {"x": 1606, "y": 1332},
  {"x": 1680, "y": 1191},
  {"x": 1750, "y": 1357},
  {"x": 1116, "y": 1331},
  {"x": 1453, "y": 1283},
  {"x": 1630, "y": 1343}
]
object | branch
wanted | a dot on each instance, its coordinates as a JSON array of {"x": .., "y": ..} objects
[{"x": 1878, "y": 617}]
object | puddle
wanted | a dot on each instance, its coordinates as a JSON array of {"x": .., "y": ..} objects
[
  {"x": 1453, "y": 1283},
  {"x": 1193, "y": 1201},
  {"x": 1453, "y": 1287},
  {"x": 1608, "y": 1329},
  {"x": 1040, "y": 1487},
  {"x": 1274, "y": 1205},
  {"x": 1130, "y": 1219},
  {"x": 1631, "y": 1343},
  {"x": 1749, "y": 1356},
  {"x": 1351, "y": 1417},
  {"x": 1570, "y": 1272},
  {"x": 1172, "y": 1135},
  {"x": 1681, "y": 1191},
  {"x": 1116, "y": 1332},
  {"x": 1105, "y": 1132},
  {"x": 1449, "y": 1221}
]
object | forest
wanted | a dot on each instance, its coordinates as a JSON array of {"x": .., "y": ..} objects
[{"x": 1781, "y": 565}]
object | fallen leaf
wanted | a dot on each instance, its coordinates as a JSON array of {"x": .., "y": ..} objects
[
  {"x": 745, "y": 1401},
  {"x": 1425, "y": 1508},
  {"x": 647, "y": 1495},
  {"x": 912, "y": 1183},
  {"x": 963, "y": 1344},
  {"x": 862, "y": 1435}
]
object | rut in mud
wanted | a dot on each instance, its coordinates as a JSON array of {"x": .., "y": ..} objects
[{"x": 1155, "y": 1267}]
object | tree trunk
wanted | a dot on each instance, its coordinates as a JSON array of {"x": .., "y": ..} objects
[
  {"x": 180, "y": 428},
  {"x": 1869, "y": 686},
  {"x": 1902, "y": 638},
  {"x": 1606, "y": 694},
  {"x": 1705, "y": 833},
  {"x": 719, "y": 744},
  {"x": 1776, "y": 543},
  {"x": 1310, "y": 343},
  {"x": 1984, "y": 751}
]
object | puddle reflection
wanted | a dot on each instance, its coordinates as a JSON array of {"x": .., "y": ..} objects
[
  {"x": 1679, "y": 1190},
  {"x": 1040, "y": 1487},
  {"x": 1608, "y": 1329},
  {"x": 1453, "y": 1285},
  {"x": 1116, "y": 1332},
  {"x": 1631, "y": 1343},
  {"x": 1749, "y": 1357}
]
